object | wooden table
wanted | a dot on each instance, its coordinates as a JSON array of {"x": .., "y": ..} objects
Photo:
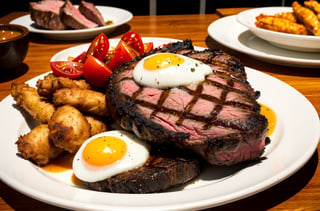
[{"x": 301, "y": 191}]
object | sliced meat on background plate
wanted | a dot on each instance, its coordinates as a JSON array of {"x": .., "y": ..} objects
[
  {"x": 91, "y": 12},
  {"x": 46, "y": 14},
  {"x": 61, "y": 15},
  {"x": 72, "y": 17}
]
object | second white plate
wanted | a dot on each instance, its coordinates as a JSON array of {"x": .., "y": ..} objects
[{"x": 239, "y": 38}]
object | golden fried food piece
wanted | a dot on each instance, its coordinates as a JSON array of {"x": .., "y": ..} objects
[
  {"x": 28, "y": 98},
  {"x": 87, "y": 101},
  {"x": 68, "y": 128},
  {"x": 286, "y": 15},
  {"x": 307, "y": 17},
  {"x": 50, "y": 83},
  {"x": 37, "y": 147},
  {"x": 280, "y": 25},
  {"x": 98, "y": 125},
  {"x": 313, "y": 5}
]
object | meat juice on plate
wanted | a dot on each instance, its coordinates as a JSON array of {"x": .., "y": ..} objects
[{"x": 271, "y": 116}]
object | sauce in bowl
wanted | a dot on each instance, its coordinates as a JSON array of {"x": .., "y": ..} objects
[{"x": 8, "y": 34}]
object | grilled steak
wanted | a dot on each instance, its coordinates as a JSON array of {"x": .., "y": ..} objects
[
  {"x": 71, "y": 17},
  {"x": 163, "y": 170},
  {"x": 91, "y": 12},
  {"x": 46, "y": 14},
  {"x": 218, "y": 118}
]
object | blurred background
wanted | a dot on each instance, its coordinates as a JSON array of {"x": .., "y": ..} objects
[{"x": 159, "y": 7}]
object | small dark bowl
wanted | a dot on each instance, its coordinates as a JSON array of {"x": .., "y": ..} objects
[{"x": 13, "y": 50}]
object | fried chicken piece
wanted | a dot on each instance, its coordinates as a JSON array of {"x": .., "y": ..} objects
[
  {"x": 68, "y": 128},
  {"x": 37, "y": 147},
  {"x": 280, "y": 25},
  {"x": 313, "y": 5},
  {"x": 98, "y": 125},
  {"x": 307, "y": 17},
  {"x": 28, "y": 98},
  {"x": 50, "y": 83},
  {"x": 286, "y": 15},
  {"x": 87, "y": 101}
]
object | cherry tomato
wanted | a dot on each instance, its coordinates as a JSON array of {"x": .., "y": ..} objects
[
  {"x": 123, "y": 54},
  {"x": 96, "y": 72},
  {"x": 81, "y": 57},
  {"x": 99, "y": 47},
  {"x": 148, "y": 46},
  {"x": 67, "y": 68},
  {"x": 134, "y": 40},
  {"x": 109, "y": 56}
]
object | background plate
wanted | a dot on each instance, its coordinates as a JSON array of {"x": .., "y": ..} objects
[
  {"x": 239, "y": 38},
  {"x": 306, "y": 43},
  {"x": 117, "y": 15}
]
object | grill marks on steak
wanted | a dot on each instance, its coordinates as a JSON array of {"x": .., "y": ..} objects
[
  {"x": 162, "y": 171},
  {"x": 218, "y": 118}
]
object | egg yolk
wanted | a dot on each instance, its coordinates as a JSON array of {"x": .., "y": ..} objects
[
  {"x": 104, "y": 151},
  {"x": 161, "y": 61}
]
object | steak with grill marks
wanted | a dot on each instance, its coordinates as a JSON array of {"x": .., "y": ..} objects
[
  {"x": 218, "y": 118},
  {"x": 164, "y": 169}
]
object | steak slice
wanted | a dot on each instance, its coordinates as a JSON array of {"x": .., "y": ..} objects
[
  {"x": 46, "y": 14},
  {"x": 72, "y": 17},
  {"x": 163, "y": 170},
  {"x": 91, "y": 12},
  {"x": 218, "y": 118}
]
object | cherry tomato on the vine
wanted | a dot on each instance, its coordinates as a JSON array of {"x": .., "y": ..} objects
[
  {"x": 96, "y": 72},
  {"x": 67, "y": 68},
  {"x": 133, "y": 40}
]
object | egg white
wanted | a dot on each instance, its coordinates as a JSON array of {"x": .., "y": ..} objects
[
  {"x": 136, "y": 155},
  {"x": 191, "y": 71}
]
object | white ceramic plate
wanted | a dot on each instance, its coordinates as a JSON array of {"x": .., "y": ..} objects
[
  {"x": 117, "y": 15},
  {"x": 239, "y": 38},
  {"x": 306, "y": 43},
  {"x": 229, "y": 183}
]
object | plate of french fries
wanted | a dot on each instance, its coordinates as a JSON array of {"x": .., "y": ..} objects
[{"x": 295, "y": 28}]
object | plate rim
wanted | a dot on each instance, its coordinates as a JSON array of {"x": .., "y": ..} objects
[{"x": 204, "y": 203}]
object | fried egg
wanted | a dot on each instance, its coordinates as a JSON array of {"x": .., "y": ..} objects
[
  {"x": 166, "y": 70},
  {"x": 107, "y": 154}
]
